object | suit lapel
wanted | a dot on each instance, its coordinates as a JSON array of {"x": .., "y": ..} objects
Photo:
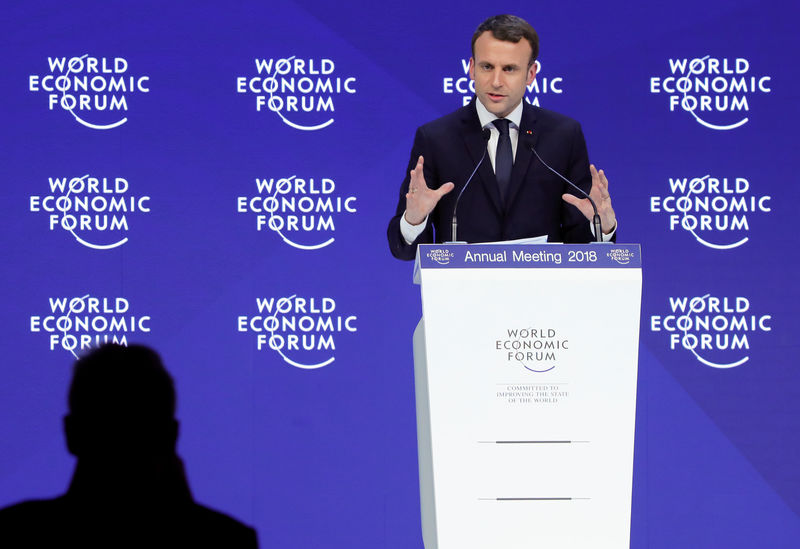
[
  {"x": 473, "y": 140},
  {"x": 522, "y": 161}
]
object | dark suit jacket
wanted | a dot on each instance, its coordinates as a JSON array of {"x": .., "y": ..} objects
[
  {"x": 61, "y": 522},
  {"x": 115, "y": 505},
  {"x": 453, "y": 145}
]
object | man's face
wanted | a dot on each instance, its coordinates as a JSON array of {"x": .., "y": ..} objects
[{"x": 500, "y": 71}]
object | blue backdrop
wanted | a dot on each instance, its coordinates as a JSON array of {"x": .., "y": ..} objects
[{"x": 176, "y": 173}]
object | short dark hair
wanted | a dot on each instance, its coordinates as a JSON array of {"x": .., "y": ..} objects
[{"x": 509, "y": 28}]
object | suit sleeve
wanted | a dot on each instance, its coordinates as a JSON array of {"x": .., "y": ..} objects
[
  {"x": 576, "y": 228},
  {"x": 397, "y": 244}
]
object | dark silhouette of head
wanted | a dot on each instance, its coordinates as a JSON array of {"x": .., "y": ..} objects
[
  {"x": 129, "y": 488},
  {"x": 121, "y": 405}
]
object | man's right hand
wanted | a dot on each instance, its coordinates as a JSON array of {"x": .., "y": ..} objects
[{"x": 420, "y": 199}]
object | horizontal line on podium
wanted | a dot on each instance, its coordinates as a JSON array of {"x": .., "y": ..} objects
[
  {"x": 532, "y": 499},
  {"x": 533, "y": 442},
  {"x": 535, "y": 383}
]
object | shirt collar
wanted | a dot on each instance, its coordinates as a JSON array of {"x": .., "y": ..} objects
[{"x": 486, "y": 118}]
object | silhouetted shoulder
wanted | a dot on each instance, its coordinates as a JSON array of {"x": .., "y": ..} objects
[
  {"x": 20, "y": 511},
  {"x": 218, "y": 529},
  {"x": 56, "y": 523},
  {"x": 34, "y": 523}
]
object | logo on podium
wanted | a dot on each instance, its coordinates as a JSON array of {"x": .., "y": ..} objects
[
  {"x": 535, "y": 349},
  {"x": 622, "y": 256},
  {"x": 442, "y": 256}
]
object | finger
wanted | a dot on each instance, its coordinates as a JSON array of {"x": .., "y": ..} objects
[
  {"x": 595, "y": 180},
  {"x": 444, "y": 189},
  {"x": 602, "y": 187},
  {"x": 572, "y": 199},
  {"x": 603, "y": 179},
  {"x": 417, "y": 176},
  {"x": 418, "y": 168},
  {"x": 598, "y": 177},
  {"x": 581, "y": 203},
  {"x": 413, "y": 184}
]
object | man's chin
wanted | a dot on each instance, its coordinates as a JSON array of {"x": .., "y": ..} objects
[
  {"x": 500, "y": 110},
  {"x": 499, "y": 106}
]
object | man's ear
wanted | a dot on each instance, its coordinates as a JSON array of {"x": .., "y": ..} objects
[
  {"x": 472, "y": 68},
  {"x": 531, "y": 73}
]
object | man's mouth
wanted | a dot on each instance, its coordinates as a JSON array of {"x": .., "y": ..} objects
[{"x": 495, "y": 97}]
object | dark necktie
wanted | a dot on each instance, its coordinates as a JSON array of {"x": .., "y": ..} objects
[{"x": 504, "y": 158}]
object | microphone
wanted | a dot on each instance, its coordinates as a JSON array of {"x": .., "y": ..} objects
[
  {"x": 485, "y": 134},
  {"x": 598, "y": 230}
]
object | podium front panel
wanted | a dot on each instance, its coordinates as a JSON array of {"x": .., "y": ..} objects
[{"x": 530, "y": 390}]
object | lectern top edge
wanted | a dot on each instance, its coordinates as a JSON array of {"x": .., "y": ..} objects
[{"x": 526, "y": 256}]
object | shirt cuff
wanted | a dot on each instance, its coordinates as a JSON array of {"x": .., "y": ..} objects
[
  {"x": 606, "y": 237},
  {"x": 411, "y": 232}
]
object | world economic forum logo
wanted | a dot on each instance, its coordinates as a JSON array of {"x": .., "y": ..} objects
[
  {"x": 302, "y": 211},
  {"x": 543, "y": 85},
  {"x": 716, "y": 92},
  {"x": 716, "y": 211},
  {"x": 303, "y": 331},
  {"x": 75, "y": 324},
  {"x": 535, "y": 349},
  {"x": 94, "y": 90},
  {"x": 301, "y": 92},
  {"x": 717, "y": 331},
  {"x": 623, "y": 256},
  {"x": 442, "y": 256},
  {"x": 94, "y": 210}
]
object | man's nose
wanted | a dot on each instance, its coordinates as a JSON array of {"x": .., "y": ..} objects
[{"x": 497, "y": 80}]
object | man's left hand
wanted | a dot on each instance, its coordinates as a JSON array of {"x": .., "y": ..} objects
[{"x": 602, "y": 199}]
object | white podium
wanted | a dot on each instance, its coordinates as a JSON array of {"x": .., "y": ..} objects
[{"x": 525, "y": 365}]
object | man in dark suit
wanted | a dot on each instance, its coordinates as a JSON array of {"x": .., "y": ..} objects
[
  {"x": 513, "y": 195},
  {"x": 129, "y": 488}
]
